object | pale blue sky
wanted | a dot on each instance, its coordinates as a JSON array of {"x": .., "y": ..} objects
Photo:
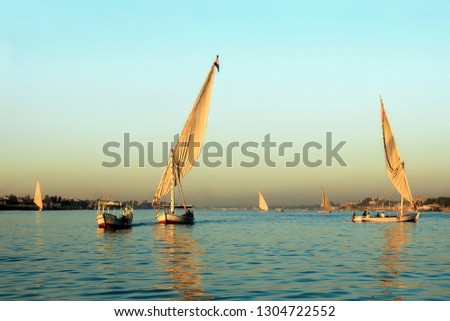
[{"x": 77, "y": 74}]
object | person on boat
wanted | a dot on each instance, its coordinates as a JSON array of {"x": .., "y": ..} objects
[
  {"x": 364, "y": 214},
  {"x": 368, "y": 215},
  {"x": 382, "y": 214},
  {"x": 354, "y": 215}
]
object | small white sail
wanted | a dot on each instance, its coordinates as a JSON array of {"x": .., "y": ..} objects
[
  {"x": 38, "y": 196},
  {"x": 326, "y": 205},
  {"x": 395, "y": 167},
  {"x": 190, "y": 142},
  {"x": 262, "y": 203}
]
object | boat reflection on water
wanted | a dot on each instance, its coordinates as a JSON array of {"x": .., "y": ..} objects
[
  {"x": 39, "y": 234},
  {"x": 112, "y": 242},
  {"x": 102, "y": 232},
  {"x": 392, "y": 262},
  {"x": 178, "y": 262}
]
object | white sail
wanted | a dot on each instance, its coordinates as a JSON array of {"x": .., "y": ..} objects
[
  {"x": 395, "y": 168},
  {"x": 262, "y": 203},
  {"x": 394, "y": 165},
  {"x": 190, "y": 142},
  {"x": 38, "y": 195},
  {"x": 326, "y": 205}
]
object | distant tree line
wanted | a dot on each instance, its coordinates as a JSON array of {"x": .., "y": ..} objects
[
  {"x": 442, "y": 201},
  {"x": 50, "y": 202},
  {"x": 54, "y": 202}
]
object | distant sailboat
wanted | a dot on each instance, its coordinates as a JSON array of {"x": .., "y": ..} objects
[
  {"x": 184, "y": 155},
  {"x": 325, "y": 205},
  {"x": 38, "y": 196},
  {"x": 262, "y": 203},
  {"x": 395, "y": 168}
]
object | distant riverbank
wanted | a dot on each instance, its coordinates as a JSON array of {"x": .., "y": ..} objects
[{"x": 21, "y": 207}]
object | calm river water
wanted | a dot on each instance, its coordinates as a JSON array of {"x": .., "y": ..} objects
[{"x": 225, "y": 255}]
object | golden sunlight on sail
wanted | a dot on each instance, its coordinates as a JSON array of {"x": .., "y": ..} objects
[
  {"x": 395, "y": 167},
  {"x": 38, "y": 196},
  {"x": 262, "y": 203}
]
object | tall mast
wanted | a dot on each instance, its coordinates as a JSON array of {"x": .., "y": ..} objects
[
  {"x": 401, "y": 207},
  {"x": 172, "y": 188}
]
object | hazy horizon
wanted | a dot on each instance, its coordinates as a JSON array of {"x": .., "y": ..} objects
[{"x": 74, "y": 76}]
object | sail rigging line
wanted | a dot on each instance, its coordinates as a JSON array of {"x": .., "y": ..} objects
[
  {"x": 180, "y": 188},
  {"x": 388, "y": 193}
]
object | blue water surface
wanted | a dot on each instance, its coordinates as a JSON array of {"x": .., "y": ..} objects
[{"x": 225, "y": 255}]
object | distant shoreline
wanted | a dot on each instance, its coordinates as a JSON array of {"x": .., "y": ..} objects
[
  {"x": 22, "y": 207},
  {"x": 5, "y": 207}
]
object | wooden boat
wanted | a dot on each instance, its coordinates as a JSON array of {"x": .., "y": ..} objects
[
  {"x": 38, "y": 196},
  {"x": 183, "y": 157},
  {"x": 263, "y": 207},
  {"x": 112, "y": 214},
  {"x": 166, "y": 217},
  {"x": 395, "y": 168},
  {"x": 411, "y": 217},
  {"x": 325, "y": 205}
]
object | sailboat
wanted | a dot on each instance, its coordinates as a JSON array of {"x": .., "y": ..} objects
[
  {"x": 262, "y": 203},
  {"x": 38, "y": 196},
  {"x": 395, "y": 168},
  {"x": 183, "y": 157},
  {"x": 325, "y": 205}
]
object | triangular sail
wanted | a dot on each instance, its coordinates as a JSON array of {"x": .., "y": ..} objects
[
  {"x": 394, "y": 165},
  {"x": 190, "y": 142},
  {"x": 326, "y": 205},
  {"x": 262, "y": 203},
  {"x": 38, "y": 195}
]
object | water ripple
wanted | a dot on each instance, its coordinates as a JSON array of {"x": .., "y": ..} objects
[{"x": 223, "y": 256}]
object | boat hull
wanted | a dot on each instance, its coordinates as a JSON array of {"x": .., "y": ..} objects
[
  {"x": 411, "y": 217},
  {"x": 167, "y": 218},
  {"x": 106, "y": 220}
]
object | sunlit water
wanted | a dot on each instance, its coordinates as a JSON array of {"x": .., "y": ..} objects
[{"x": 225, "y": 255}]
